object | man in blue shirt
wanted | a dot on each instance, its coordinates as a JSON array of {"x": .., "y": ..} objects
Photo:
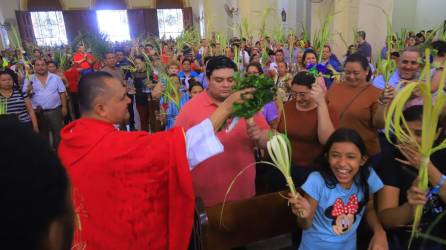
[
  {"x": 364, "y": 48},
  {"x": 49, "y": 100},
  {"x": 408, "y": 68}
]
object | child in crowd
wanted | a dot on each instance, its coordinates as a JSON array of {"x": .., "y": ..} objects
[
  {"x": 338, "y": 195},
  {"x": 195, "y": 88}
]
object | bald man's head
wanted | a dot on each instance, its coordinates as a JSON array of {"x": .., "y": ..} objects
[
  {"x": 104, "y": 97},
  {"x": 90, "y": 87}
]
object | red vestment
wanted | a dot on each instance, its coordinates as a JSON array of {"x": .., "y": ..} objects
[{"x": 131, "y": 190}]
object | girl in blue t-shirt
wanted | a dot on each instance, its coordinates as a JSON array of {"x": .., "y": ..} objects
[{"x": 337, "y": 196}]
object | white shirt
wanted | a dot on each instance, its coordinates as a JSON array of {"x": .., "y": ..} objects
[{"x": 202, "y": 143}]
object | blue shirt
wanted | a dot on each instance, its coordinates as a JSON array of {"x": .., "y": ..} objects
[
  {"x": 192, "y": 74},
  {"x": 203, "y": 80},
  {"x": 46, "y": 96},
  {"x": 365, "y": 49},
  {"x": 393, "y": 81},
  {"x": 172, "y": 111},
  {"x": 338, "y": 213}
]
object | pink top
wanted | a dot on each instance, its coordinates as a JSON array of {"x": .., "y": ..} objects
[{"x": 212, "y": 178}]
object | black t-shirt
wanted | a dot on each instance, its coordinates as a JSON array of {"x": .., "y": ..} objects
[{"x": 396, "y": 174}]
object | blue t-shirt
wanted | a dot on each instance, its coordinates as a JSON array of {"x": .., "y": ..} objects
[{"x": 337, "y": 215}]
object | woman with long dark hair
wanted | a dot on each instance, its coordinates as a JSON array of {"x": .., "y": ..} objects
[{"x": 338, "y": 195}]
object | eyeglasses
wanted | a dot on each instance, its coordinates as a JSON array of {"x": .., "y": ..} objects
[{"x": 299, "y": 94}]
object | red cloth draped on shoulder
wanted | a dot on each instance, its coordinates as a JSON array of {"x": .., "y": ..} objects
[{"x": 131, "y": 190}]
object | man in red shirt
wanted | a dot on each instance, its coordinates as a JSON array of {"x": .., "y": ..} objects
[
  {"x": 73, "y": 76},
  {"x": 83, "y": 60},
  {"x": 212, "y": 177}
]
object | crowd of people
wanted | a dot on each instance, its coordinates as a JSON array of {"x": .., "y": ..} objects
[{"x": 133, "y": 188}]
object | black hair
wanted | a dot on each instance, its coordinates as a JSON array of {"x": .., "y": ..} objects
[
  {"x": 344, "y": 135},
  {"x": 148, "y": 45},
  {"x": 219, "y": 62},
  {"x": 413, "y": 113},
  {"x": 271, "y": 52},
  {"x": 257, "y": 65},
  {"x": 206, "y": 59},
  {"x": 358, "y": 58},
  {"x": 306, "y": 52},
  {"x": 33, "y": 188},
  {"x": 286, "y": 64},
  {"x": 14, "y": 76},
  {"x": 279, "y": 50},
  {"x": 362, "y": 34},
  {"x": 7, "y": 73},
  {"x": 186, "y": 60},
  {"x": 303, "y": 78},
  {"x": 193, "y": 83},
  {"x": 90, "y": 86},
  {"x": 395, "y": 54},
  {"x": 140, "y": 58},
  {"x": 440, "y": 47},
  {"x": 53, "y": 62}
]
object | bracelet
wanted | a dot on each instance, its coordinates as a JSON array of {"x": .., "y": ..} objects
[{"x": 436, "y": 189}]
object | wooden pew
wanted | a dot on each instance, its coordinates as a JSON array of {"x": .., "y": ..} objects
[{"x": 245, "y": 222}]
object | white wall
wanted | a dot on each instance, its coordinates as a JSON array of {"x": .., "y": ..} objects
[
  {"x": 417, "y": 15},
  {"x": 374, "y": 22},
  {"x": 7, "y": 10},
  {"x": 404, "y": 13},
  {"x": 7, "y": 14},
  {"x": 430, "y": 14}
]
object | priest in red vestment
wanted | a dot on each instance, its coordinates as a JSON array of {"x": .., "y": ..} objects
[{"x": 133, "y": 190}]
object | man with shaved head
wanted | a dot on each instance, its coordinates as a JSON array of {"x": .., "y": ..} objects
[{"x": 133, "y": 190}]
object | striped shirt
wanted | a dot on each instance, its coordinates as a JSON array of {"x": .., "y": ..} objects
[{"x": 16, "y": 105}]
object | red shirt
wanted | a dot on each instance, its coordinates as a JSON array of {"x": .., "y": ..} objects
[
  {"x": 131, "y": 190},
  {"x": 211, "y": 178},
  {"x": 73, "y": 76},
  {"x": 77, "y": 57}
]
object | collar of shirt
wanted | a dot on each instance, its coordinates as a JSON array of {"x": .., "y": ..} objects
[
  {"x": 394, "y": 79},
  {"x": 49, "y": 77},
  {"x": 206, "y": 100}
]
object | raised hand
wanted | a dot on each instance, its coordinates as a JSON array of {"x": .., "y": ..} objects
[{"x": 317, "y": 93}]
